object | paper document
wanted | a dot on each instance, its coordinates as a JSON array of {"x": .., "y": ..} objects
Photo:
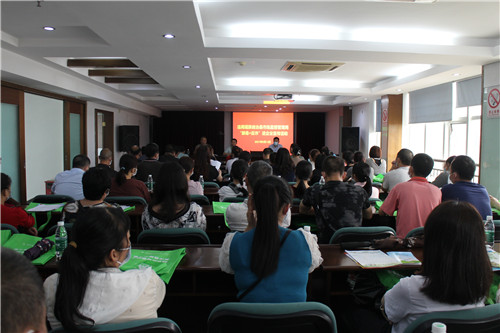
[
  {"x": 404, "y": 257},
  {"x": 372, "y": 258},
  {"x": 494, "y": 258},
  {"x": 46, "y": 207}
]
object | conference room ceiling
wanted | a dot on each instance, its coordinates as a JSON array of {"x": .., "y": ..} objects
[{"x": 236, "y": 49}]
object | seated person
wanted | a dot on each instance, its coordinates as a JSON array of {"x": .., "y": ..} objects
[
  {"x": 96, "y": 185},
  {"x": 318, "y": 168},
  {"x": 124, "y": 184},
  {"x": 313, "y": 153},
  {"x": 235, "y": 155},
  {"x": 23, "y": 300},
  {"x": 170, "y": 206},
  {"x": 277, "y": 270},
  {"x": 296, "y": 154},
  {"x": 69, "y": 182},
  {"x": 194, "y": 187},
  {"x": 415, "y": 199},
  {"x": 14, "y": 214},
  {"x": 456, "y": 271},
  {"x": 276, "y": 145},
  {"x": 303, "y": 172},
  {"x": 229, "y": 149},
  {"x": 90, "y": 288},
  {"x": 359, "y": 157},
  {"x": 213, "y": 158},
  {"x": 236, "y": 187},
  {"x": 105, "y": 160},
  {"x": 266, "y": 155},
  {"x": 444, "y": 177},
  {"x": 337, "y": 204},
  {"x": 361, "y": 177},
  {"x": 202, "y": 166},
  {"x": 150, "y": 164},
  {"x": 378, "y": 164},
  {"x": 236, "y": 213},
  {"x": 283, "y": 165},
  {"x": 463, "y": 189},
  {"x": 399, "y": 172}
]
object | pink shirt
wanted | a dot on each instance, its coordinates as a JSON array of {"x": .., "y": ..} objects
[{"x": 414, "y": 200}]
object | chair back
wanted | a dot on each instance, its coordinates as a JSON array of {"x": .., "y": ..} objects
[
  {"x": 211, "y": 184},
  {"x": 200, "y": 199},
  {"x": 67, "y": 226},
  {"x": 415, "y": 232},
  {"x": 497, "y": 229},
  {"x": 10, "y": 227},
  {"x": 233, "y": 199},
  {"x": 478, "y": 320},
  {"x": 303, "y": 317},
  {"x": 128, "y": 200},
  {"x": 296, "y": 202},
  {"x": 51, "y": 198},
  {"x": 177, "y": 236},
  {"x": 154, "y": 325},
  {"x": 361, "y": 234}
]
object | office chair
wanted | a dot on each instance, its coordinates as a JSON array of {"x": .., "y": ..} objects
[
  {"x": 212, "y": 184},
  {"x": 154, "y": 325},
  {"x": 415, "y": 232},
  {"x": 178, "y": 236},
  {"x": 51, "y": 198},
  {"x": 478, "y": 320},
  {"x": 361, "y": 234},
  {"x": 303, "y": 317},
  {"x": 234, "y": 199},
  {"x": 200, "y": 199},
  {"x": 127, "y": 200},
  {"x": 296, "y": 202}
]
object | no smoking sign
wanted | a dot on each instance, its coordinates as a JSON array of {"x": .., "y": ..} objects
[{"x": 494, "y": 103}]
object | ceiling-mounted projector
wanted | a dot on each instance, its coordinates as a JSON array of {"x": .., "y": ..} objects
[{"x": 282, "y": 96}]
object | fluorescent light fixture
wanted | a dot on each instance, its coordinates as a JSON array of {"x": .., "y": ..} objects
[
  {"x": 398, "y": 90},
  {"x": 307, "y": 98},
  {"x": 206, "y": 101},
  {"x": 47, "y": 28},
  {"x": 327, "y": 83},
  {"x": 405, "y": 36},
  {"x": 168, "y": 36},
  {"x": 283, "y": 30},
  {"x": 186, "y": 67},
  {"x": 408, "y": 70},
  {"x": 258, "y": 82}
]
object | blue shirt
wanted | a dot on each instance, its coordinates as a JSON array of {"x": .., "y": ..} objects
[
  {"x": 275, "y": 148},
  {"x": 287, "y": 284},
  {"x": 473, "y": 193},
  {"x": 69, "y": 182}
]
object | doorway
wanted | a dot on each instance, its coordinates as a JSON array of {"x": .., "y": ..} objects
[{"x": 104, "y": 133}]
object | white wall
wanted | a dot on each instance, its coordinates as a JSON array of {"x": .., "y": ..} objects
[
  {"x": 332, "y": 129},
  {"x": 363, "y": 116},
  {"x": 120, "y": 117}
]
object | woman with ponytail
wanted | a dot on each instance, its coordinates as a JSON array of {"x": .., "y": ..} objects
[
  {"x": 90, "y": 288},
  {"x": 124, "y": 184},
  {"x": 270, "y": 264},
  {"x": 303, "y": 172},
  {"x": 361, "y": 176},
  {"x": 237, "y": 187}
]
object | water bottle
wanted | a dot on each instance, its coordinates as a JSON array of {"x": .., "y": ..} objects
[
  {"x": 202, "y": 181},
  {"x": 322, "y": 181},
  {"x": 150, "y": 183},
  {"x": 61, "y": 240},
  {"x": 489, "y": 230},
  {"x": 438, "y": 327}
]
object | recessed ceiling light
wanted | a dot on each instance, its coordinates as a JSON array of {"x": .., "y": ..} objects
[
  {"x": 216, "y": 108},
  {"x": 168, "y": 36},
  {"x": 206, "y": 101},
  {"x": 47, "y": 28},
  {"x": 399, "y": 90},
  {"x": 456, "y": 74},
  {"x": 186, "y": 67},
  {"x": 198, "y": 87}
]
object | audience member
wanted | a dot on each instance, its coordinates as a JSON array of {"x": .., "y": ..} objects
[
  {"x": 270, "y": 263},
  {"x": 69, "y": 182},
  {"x": 296, "y": 153},
  {"x": 378, "y": 164},
  {"x": 235, "y": 154},
  {"x": 414, "y": 199},
  {"x": 170, "y": 154},
  {"x": 23, "y": 299},
  {"x": 358, "y": 157},
  {"x": 203, "y": 141},
  {"x": 399, "y": 174},
  {"x": 124, "y": 184},
  {"x": 348, "y": 157},
  {"x": 313, "y": 153},
  {"x": 213, "y": 159},
  {"x": 105, "y": 160},
  {"x": 150, "y": 165},
  {"x": 194, "y": 187},
  {"x": 236, "y": 213},
  {"x": 456, "y": 271},
  {"x": 181, "y": 151},
  {"x": 283, "y": 166},
  {"x": 90, "y": 288},
  {"x": 275, "y": 146},
  {"x": 202, "y": 166},
  {"x": 245, "y": 156},
  {"x": 336, "y": 204},
  {"x": 325, "y": 151},
  {"x": 14, "y": 214},
  {"x": 303, "y": 172},
  {"x": 266, "y": 155},
  {"x": 444, "y": 177},
  {"x": 170, "y": 206},
  {"x": 236, "y": 187},
  {"x": 316, "y": 175},
  {"x": 229, "y": 149},
  {"x": 136, "y": 151},
  {"x": 463, "y": 189},
  {"x": 361, "y": 177},
  {"x": 96, "y": 185}
]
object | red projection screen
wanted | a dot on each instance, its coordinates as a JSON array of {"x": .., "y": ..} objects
[{"x": 256, "y": 130}]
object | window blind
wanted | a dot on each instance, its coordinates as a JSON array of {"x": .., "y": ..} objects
[{"x": 431, "y": 104}]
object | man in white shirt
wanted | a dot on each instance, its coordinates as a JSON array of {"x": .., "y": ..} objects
[
  {"x": 236, "y": 213},
  {"x": 229, "y": 149},
  {"x": 276, "y": 145},
  {"x": 69, "y": 182},
  {"x": 399, "y": 174}
]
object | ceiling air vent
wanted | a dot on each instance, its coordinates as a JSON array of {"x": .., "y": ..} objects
[
  {"x": 299, "y": 66},
  {"x": 283, "y": 96}
]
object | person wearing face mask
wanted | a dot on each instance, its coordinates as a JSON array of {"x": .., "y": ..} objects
[
  {"x": 124, "y": 184},
  {"x": 12, "y": 213},
  {"x": 90, "y": 288},
  {"x": 276, "y": 145}
]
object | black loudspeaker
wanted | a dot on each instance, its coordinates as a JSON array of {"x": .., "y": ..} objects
[
  {"x": 350, "y": 139},
  {"x": 127, "y": 137}
]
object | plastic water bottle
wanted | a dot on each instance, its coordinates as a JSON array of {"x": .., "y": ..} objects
[
  {"x": 438, "y": 327},
  {"x": 202, "y": 181},
  {"x": 61, "y": 240},
  {"x": 489, "y": 230},
  {"x": 322, "y": 181},
  {"x": 150, "y": 183}
]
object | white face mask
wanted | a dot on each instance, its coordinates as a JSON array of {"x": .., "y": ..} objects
[
  {"x": 276, "y": 143},
  {"x": 135, "y": 172},
  {"x": 127, "y": 258}
]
